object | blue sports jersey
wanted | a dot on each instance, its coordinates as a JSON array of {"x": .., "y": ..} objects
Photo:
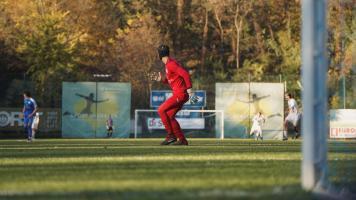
[{"x": 30, "y": 105}]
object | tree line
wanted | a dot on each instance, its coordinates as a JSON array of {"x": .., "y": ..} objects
[{"x": 216, "y": 40}]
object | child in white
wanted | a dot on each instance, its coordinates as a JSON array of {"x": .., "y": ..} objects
[
  {"x": 258, "y": 120},
  {"x": 36, "y": 121}
]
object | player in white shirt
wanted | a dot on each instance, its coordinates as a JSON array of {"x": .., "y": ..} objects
[
  {"x": 258, "y": 120},
  {"x": 36, "y": 121},
  {"x": 292, "y": 117}
]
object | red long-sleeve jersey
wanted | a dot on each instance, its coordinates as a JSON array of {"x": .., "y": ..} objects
[{"x": 177, "y": 77}]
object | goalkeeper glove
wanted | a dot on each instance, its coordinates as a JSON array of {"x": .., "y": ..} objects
[
  {"x": 193, "y": 99},
  {"x": 155, "y": 76}
]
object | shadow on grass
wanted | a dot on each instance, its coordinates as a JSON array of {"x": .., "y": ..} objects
[
  {"x": 293, "y": 192},
  {"x": 44, "y": 149}
]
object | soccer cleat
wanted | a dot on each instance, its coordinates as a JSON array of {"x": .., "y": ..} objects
[
  {"x": 181, "y": 142},
  {"x": 168, "y": 141}
]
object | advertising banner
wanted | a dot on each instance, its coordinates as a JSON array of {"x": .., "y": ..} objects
[
  {"x": 87, "y": 105},
  {"x": 11, "y": 120},
  {"x": 159, "y": 96},
  {"x": 185, "y": 123},
  {"x": 343, "y": 123},
  {"x": 241, "y": 101}
]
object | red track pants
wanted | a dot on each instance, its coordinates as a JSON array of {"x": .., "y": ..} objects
[{"x": 168, "y": 110}]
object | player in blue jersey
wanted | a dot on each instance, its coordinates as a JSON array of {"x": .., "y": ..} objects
[{"x": 29, "y": 111}]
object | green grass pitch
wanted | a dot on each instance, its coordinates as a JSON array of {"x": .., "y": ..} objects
[{"x": 141, "y": 169}]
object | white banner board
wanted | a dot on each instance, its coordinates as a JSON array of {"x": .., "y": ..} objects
[
  {"x": 185, "y": 123},
  {"x": 241, "y": 101},
  {"x": 343, "y": 123}
]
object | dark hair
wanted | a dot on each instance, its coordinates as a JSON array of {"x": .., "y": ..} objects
[
  {"x": 290, "y": 95},
  {"x": 27, "y": 93},
  {"x": 163, "y": 50}
]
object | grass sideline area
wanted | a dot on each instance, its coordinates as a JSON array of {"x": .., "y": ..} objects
[{"x": 141, "y": 169}]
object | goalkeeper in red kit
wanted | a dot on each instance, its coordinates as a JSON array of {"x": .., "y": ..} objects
[{"x": 179, "y": 81}]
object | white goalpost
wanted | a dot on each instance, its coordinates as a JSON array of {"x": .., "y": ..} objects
[
  {"x": 202, "y": 121},
  {"x": 314, "y": 96}
]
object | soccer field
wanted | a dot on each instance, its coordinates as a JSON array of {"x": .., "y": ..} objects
[{"x": 141, "y": 169}]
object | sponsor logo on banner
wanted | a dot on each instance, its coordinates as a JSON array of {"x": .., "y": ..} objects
[
  {"x": 185, "y": 123},
  {"x": 12, "y": 120},
  {"x": 343, "y": 123},
  {"x": 342, "y": 132},
  {"x": 159, "y": 96}
]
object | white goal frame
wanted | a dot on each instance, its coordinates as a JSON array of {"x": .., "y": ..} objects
[
  {"x": 314, "y": 170},
  {"x": 201, "y": 111}
]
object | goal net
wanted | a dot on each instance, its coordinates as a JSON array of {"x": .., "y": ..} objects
[{"x": 194, "y": 123}]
